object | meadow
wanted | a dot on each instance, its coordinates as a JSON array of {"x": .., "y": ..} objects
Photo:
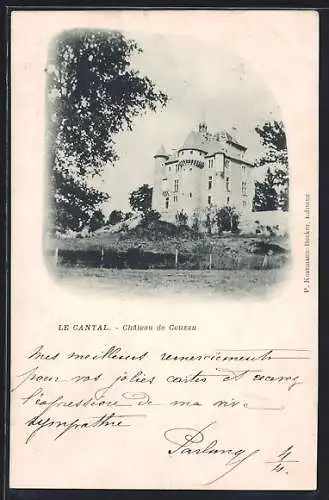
[
  {"x": 238, "y": 264},
  {"x": 237, "y": 283}
]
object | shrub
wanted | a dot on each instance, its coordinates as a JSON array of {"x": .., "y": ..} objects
[
  {"x": 227, "y": 219},
  {"x": 181, "y": 218}
]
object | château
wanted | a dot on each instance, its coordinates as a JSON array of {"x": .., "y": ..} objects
[{"x": 207, "y": 170}]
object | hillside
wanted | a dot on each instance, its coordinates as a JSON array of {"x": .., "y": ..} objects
[{"x": 156, "y": 248}]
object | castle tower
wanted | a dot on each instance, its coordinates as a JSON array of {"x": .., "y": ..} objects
[
  {"x": 160, "y": 158},
  {"x": 203, "y": 127}
]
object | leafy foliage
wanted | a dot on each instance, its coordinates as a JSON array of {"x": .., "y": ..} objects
[
  {"x": 128, "y": 215},
  {"x": 196, "y": 224},
  {"x": 93, "y": 94},
  {"x": 151, "y": 217},
  {"x": 97, "y": 220},
  {"x": 141, "y": 199},
  {"x": 73, "y": 202},
  {"x": 115, "y": 217},
  {"x": 227, "y": 219},
  {"x": 208, "y": 224},
  {"x": 181, "y": 218},
  {"x": 273, "y": 138},
  {"x": 266, "y": 196}
]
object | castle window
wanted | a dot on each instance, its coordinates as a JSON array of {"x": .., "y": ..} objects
[
  {"x": 177, "y": 168},
  {"x": 175, "y": 197},
  {"x": 244, "y": 204},
  {"x": 211, "y": 163},
  {"x": 244, "y": 188},
  {"x": 169, "y": 169},
  {"x": 176, "y": 185},
  {"x": 227, "y": 200},
  {"x": 228, "y": 184},
  {"x": 243, "y": 168},
  {"x": 209, "y": 200},
  {"x": 190, "y": 195},
  {"x": 210, "y": 182},
  {"x": 191, "y": 152},
  {"x": 167, "y": 203}
]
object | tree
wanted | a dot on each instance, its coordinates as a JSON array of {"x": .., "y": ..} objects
[
  {"x": 97, "y": 221},
  {"x": 141, "y": 200},
  {"x": 208, "y": 224},
  {"x": 73, "y": 204},
  {"x": 196, "y": 224},
  {"x": 128, "y": 215},
  {"x": 93, "y": 94},
  {"x": 115, "y": 217},
  {"x": 273, "y": 138},
  {"x": 266, "y": 196},
  {"x": 181, "y": 218},
  {"x": 150, "y": 217},
  {"x": 227, "y": 219}
]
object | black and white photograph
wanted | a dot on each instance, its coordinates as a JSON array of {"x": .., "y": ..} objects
[
  {"x": 167, "y": 167},
  {"x": 164, "y": 250}
]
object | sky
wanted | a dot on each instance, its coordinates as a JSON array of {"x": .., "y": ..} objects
[{"x": 202, "y": 82}]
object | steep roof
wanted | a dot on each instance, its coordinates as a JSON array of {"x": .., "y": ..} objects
[
  {"x": 161, "y": 152},
  {"x": 231, "y": 139},
  {"x": 209, "y": 144},
  {"x": 194, "y": 141}
]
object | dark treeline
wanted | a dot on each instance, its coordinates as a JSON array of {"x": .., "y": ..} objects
[{"x": 135, "y": 258}]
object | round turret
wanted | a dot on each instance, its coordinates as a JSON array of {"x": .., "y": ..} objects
[{"x": 161, "y": 153}]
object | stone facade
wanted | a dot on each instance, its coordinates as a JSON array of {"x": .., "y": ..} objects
[{"x": 207, "y": 171}]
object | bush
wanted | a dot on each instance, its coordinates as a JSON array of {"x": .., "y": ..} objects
[
  {"x": 181, "y": 218},
  {"x": 195, "y": 225},
  {"x": 150, "y": 217},
  {"x": 227, "y": 219}
]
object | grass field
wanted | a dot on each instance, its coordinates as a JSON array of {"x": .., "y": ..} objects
[
  {"x": 240, "y": 283},
  {"x": 129, "y": 263}
]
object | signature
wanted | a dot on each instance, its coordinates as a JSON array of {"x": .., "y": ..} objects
[
  {"x": 61, "y": 427},
  {"x": 185, "y": 440}
]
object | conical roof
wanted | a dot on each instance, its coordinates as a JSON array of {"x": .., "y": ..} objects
[
  {"x": 161, "y": 152},
  {"x": 193, "y": 141}
]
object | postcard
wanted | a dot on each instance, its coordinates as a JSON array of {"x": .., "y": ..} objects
[{"x": 164, "y": 249}]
